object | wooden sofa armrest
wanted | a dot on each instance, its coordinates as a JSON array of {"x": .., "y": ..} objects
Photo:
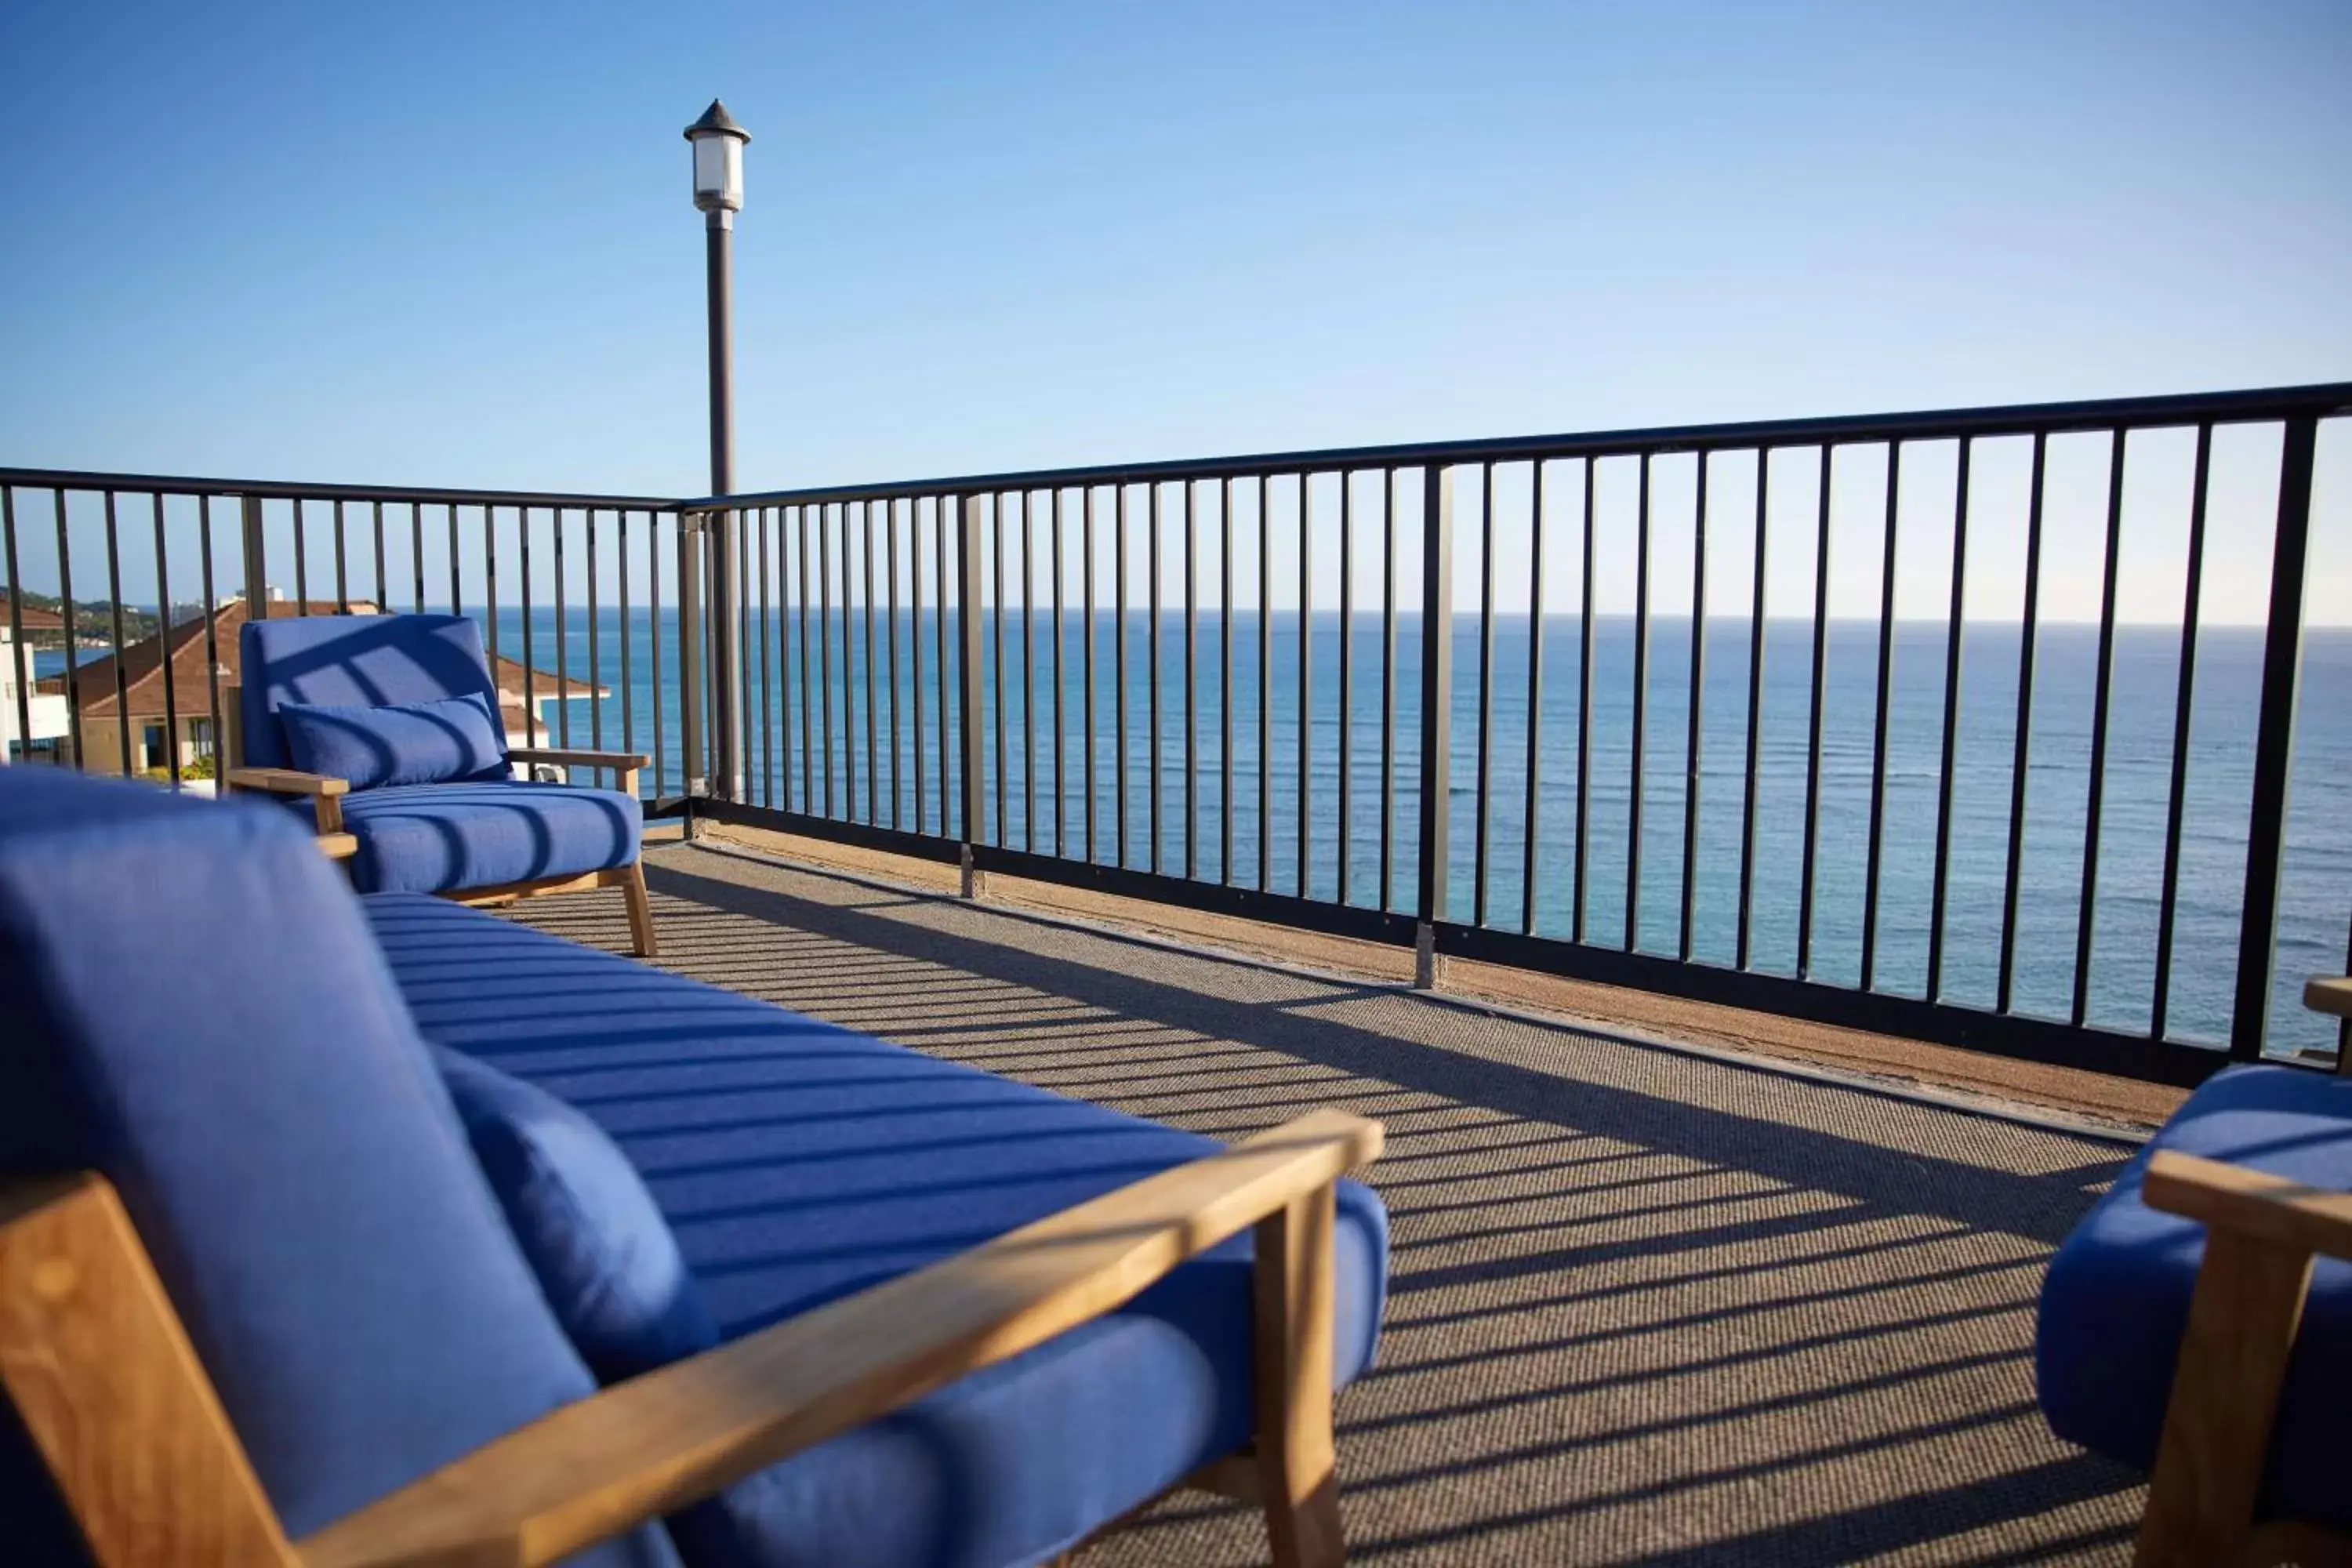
[
  {"x": 623, "y": 763},
  {"x": 288, "y": 780},
  {"x": 325, "y": 790},
  {"x": 2250, "y": 1203},
  {"x": 86, "y": 1333},
  {"x": 2261, "y": 1234}
]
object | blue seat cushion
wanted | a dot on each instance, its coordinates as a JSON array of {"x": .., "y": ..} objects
[
  {"x": 799, "y": 1162},
  {"x": 399, "y": 742},
  {"x": 191, "y": 1006},
  {"x": 603, "y": 1255},
  {"x": 438, "y": 838},
  {"x": 2117, "y": 1299}
]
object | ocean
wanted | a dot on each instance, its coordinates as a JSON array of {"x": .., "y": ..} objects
[{"x": 2316, "y": 902}]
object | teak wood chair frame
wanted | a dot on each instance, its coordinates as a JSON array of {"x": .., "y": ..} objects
[
  {"x": 2261, "y": 1233},
  {"x": 110, "y": 1390},
  {"x": 326, "y": 795}
]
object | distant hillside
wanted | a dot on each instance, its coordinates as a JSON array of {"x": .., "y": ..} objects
[{"x": 93, "y": 619}]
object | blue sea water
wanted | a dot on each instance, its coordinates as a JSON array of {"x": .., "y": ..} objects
[{"x": 2316, "y": 899}]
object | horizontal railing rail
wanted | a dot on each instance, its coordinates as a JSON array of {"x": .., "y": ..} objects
[{"x": 1976, "y": 726}]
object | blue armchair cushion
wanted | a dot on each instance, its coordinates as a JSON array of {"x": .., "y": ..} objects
[
  {"x": 399, "y": 742},
  {"x": 352, "y": 661},
  {"x": 437, "y": 838},
  {"x": 798, "y": 1163},
  {"x": 2115, "y": 1302},
  {"x": 191, "y": 1006},
  {"x": 604, "y": 1255}
]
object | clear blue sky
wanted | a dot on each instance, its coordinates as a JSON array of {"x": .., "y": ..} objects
[{"x": 452, "y": 244}]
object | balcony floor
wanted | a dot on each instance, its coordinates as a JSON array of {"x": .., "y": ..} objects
[{"x": 1647, "y": 1306}]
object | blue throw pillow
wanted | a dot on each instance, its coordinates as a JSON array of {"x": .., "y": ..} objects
[
  {"x": 603, "y": 1255},
  {"x": 398, "y": 744}
]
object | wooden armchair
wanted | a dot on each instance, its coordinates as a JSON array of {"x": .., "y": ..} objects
[
  {"x": 479, "y": 847},
  {"x": 110, "y": 1388}
]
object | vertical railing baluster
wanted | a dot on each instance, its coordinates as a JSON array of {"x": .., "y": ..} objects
[
  {"x": 490, "y": 606},
  {"x": 813, "y": 783},
  {"x": 531, "y": 725},
  {"x": 940, "y": 506},
  {"x": 563, "y": 686},
  {"x": 873, "y": 756},
  {"x": 1151, "y": 658},
  {"x": 301, "y": 560},
  {"x": 1584, "y": 704},
  {"x": 343, "y": 588},
  {"x": 1754, "y": 714},
  {"x": 968, "y": 625},
  {"x": 415, "y": 556},
  {"x": 1485, "y": 692},
  {"x": 1940, "y": 896},
  {"x": 1639, "y": 758},
  {"x": 1118, "y": 664},
  {"x": 890, "y": 568},
  {"x": 1087, "y": 565},
  {"x": 2273, "y": 743},
  {"x": 212, "y": 643},
  {"x": 1875, "y": 854},
  {"x": 1693, "y": 737},
  {"x": 762, "y": 521},
  {"x": 2102, "y": 684},
  {"x": 1264, "y": 691},
  {"x": 1388, "y": 510},
  {"x": 1436, "y": 715},
  {"x": 164, "y": 649},
  {"x": 1061, "y": 798},
  {"x": 653, "y": 641},
  {"x": 824, "y": 515},
  {"x": 1192, "y": 707},
  {"x": 915, "y": 653},
  {"x": 596, "y": 664},
  {"x": 1028, "y": 677},
  {"x": 621, "y": 588},
  {"x": 19, "y": 652},
  {"x": 1305, "y": 678},
  {"x": 2193, "y": 594},
  {"x": 1825, "y": 464},
  {"x": 996, "y": 625},
  {"x": 2023, "y": 738},
  {"x": 1225, "y": 680},
  {"x": 114, "y": 611},
  {"x": 456, "y": 592},
  {"x": 382, "y": 590},
  {"x": 1535, "y": 696},
  {"x": 73, "y": 635},
  {"x": 1347, "y": 675}
]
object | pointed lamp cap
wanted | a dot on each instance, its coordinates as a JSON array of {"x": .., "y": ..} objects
[{"x": 716, "y": 121}]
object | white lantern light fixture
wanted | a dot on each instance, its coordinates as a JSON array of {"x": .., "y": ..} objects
[{"x": 717, "y": 161}]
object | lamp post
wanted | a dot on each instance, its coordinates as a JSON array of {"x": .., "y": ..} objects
[{"x": 719, "y": 144}]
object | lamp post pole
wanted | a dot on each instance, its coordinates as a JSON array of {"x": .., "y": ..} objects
[{"x": 719, "y": 144}]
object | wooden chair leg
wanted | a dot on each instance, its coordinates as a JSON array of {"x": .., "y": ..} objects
[
  {"x": 1296, "y": 1478},
  {"x": 2217, "y": 1429},
  {"x": 641, "y": 910}
]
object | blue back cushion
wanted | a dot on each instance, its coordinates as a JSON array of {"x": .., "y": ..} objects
[
  {"x": 195, "y": 1008},
  {"x": 603, "y": 1254},
  {"x": 352, "y": 661},
  {"x": 400, "y": 744}
]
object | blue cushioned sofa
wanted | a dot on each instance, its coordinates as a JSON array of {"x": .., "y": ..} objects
[
  {"x": 388, "y": 729},
  {"x": 2198, "y": 1323},
  {"x": 272, "y": 1288}
]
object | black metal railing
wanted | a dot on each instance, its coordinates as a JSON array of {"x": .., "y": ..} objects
[
  {"x": 577, "y": 633},
  {"x": 1975, "y": 727}
]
